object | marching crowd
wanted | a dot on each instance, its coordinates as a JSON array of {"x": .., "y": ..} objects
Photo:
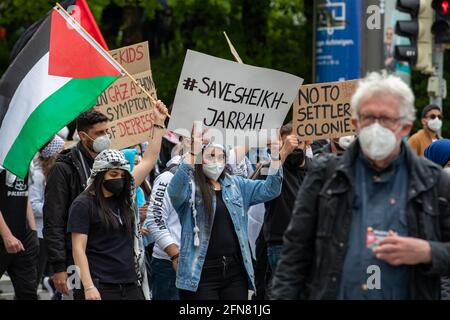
[{"x": 186, "y": 218}]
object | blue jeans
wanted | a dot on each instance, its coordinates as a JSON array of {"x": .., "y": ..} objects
[
  {"x": 273, "y": 254},
  {"x": 163, "y": 280}
]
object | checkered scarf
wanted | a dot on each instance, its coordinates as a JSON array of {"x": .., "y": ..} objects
[
  {"x": 54, "y": 147},
  {"x": 107, "y": 160}
]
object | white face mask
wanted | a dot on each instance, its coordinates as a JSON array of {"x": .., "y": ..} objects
[
  {"x": 100, "y": 143},
  {"x": 435, "y": 124},
  {"x": 377, "y": 142},
  {"x": 309, "y": 152},
  {"x": 345, "y": 142},
  {"x": 447, "y": 170},
  {"x": 213, "y": 170}
]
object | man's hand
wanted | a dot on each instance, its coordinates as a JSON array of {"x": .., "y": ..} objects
[
  {"x": 60, "y": 281},
  {"x": 12, "y": 244},
  {"x": 397, "y": 250}
]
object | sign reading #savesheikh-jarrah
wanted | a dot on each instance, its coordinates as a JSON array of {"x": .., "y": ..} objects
[{"x": 228, "y": 95}]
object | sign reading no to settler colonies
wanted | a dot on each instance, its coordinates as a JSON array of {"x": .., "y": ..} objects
[
  {"x": 323, "y": 110},
  {"x": 227, "y": 95}
]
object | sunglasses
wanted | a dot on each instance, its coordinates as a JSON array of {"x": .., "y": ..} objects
[{"x": 433, "y": 116}]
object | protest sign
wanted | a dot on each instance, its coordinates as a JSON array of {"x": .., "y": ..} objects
[
  {"x": 134, "y": 58},
  {"x": 227, "y": 95},
  {"x": 130, "y": 130},
  {"x": 323, "y": 110},
  {"x": 124, "y": 98},
  {"x": 127, "y": 107}
]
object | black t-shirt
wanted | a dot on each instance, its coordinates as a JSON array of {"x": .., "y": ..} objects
[
  {"x": 223, "y": 240},
  {"x": 109, "y": 251},
  {"x": 13, "y": 203}
]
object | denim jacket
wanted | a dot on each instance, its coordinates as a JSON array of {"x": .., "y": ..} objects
[{"x": 238, "y": 195}]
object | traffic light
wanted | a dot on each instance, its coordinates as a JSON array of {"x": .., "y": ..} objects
[
  {"x": 441, "y": 26},
  {"x": 419, "y": 53}
]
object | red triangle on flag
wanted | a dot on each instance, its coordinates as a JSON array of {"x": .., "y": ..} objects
[
  {"x": 81, "y": 11},
  {"x": 73, "y": 54}
]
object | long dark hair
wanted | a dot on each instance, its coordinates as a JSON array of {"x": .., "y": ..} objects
[
  {"x": 205, "y": 186},
  {"x": 46, "y": 164},
  {"x": 124, "y": 199}
]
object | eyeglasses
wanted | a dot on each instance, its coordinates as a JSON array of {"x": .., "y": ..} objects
[
  {"x": 434, "y": 116},
  {"x": 384, "y": 121}
]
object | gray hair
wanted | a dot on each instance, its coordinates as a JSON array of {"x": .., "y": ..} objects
[{"x": 381, "y": 84}]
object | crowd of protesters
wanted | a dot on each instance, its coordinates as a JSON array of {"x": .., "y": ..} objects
[{"x": 186, "y": 218}]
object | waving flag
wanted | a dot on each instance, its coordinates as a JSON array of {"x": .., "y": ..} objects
[
  {"x": 57, "y": 75},
  {"x": 79, "y": 10}
]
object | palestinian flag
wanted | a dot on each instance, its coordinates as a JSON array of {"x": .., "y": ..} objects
[
  {"x": 57, "y": 75},
  {"x": 79, "y": 9}
]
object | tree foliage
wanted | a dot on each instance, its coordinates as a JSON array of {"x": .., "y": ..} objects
[{"x": 268, "y": 33}]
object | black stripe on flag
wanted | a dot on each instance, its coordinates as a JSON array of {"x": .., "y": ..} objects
[{"x": 34, "y": 50}]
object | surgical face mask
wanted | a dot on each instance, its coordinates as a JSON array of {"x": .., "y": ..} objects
[
  {"x": 435, "y": 124},
  {"x": 377, "y": 142},
  {"x": 345, "y": 142},
  {"x": 309, "y": 152},
  {"x": 213, "y": 170},
  {"x": 100, "y": 143},
  {"x": 115, "y": 186},
  {"x": 447, "y": 169}
]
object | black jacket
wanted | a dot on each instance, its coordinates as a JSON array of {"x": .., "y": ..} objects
[
  {"x": 66, "y": 180},
  {"x": 315, "y": 242},
  {"x": 279, "y": 210}
]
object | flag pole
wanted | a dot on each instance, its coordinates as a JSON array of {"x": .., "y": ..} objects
[{"x": 110, "y": 56}]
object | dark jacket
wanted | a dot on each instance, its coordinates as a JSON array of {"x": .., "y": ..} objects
[
  {"x": 66, "y": 180},
  {"x": 279, "y": 210},
  {"x": 315, "y": 242}
]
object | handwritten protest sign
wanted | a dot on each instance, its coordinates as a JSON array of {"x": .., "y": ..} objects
[
  {"x": 124, "y": 98},
  {"x": 134, "y": 58},
  {"x": 323, "y": 110},
  {"x": 127, "y": 107},
  {"x": 227, "y": 95},
  {"x": 130, "y": 130}
]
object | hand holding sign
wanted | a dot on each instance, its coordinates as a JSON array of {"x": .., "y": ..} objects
[
  {"x": 290, "y": 143},
  {"x": 160, "y": 113},
  {"x": 198, "y": 138}
]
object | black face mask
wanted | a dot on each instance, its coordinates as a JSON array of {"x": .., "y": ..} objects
[
  {"x": 114, "y": 185},
  {"x": 295, "y": 158}
]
